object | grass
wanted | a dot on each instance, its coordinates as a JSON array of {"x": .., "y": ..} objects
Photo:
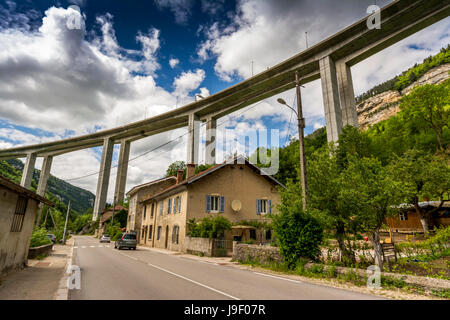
[{"x": 321, "y": 271}]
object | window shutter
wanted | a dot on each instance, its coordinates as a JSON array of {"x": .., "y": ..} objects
[
  {"x": 179, "y": 204},
  {"x": 258, "y": 206},
  {"x": 270, "y": 206},
  {"x": 208, "y": 203},
  {"x": 174, "y": 209},
  {"x": 169, "y": 204},
  {"x": 222, "y": 204}
]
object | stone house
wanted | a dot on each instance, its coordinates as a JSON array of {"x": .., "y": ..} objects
[
  {"x": 140, "y": 193},
  {"x": 18, "y": 207},
  {"x": 237, "y": 191},
  {"x": 106, "y": 216}
]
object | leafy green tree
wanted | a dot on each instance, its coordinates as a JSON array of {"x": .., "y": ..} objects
[
  {"x": 324, "y": 186},
  {"x": 298, "y": 234},
  {"x": 427, "y": 107},
  {"x": 422, "y": 176},
  {"x": 173, "y": 168},
  {"x": 367, "y": 190}
]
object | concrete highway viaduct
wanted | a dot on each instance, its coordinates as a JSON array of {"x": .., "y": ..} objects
[{"x": 330, "y": 60}]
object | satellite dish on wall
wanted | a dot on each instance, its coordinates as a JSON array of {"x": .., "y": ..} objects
[{"x": 236, "y": 205}]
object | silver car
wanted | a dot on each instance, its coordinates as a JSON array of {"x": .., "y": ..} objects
[{"x": 105, "y": 238}]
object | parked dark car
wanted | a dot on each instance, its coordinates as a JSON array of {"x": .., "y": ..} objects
[
  {"x": 52, "y": 237},
  {"x": 126, "y": 240}
]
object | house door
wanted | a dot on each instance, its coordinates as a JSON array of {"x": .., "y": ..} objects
[{"x": 167, "y": 236}]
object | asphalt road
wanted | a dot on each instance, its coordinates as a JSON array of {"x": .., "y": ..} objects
[{"x": 107, "y": 273}]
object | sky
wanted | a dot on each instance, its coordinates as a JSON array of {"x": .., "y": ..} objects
[{"x": 65, "y": 72}]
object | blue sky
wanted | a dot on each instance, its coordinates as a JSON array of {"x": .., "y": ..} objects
[{"x": 134, "y": 59}]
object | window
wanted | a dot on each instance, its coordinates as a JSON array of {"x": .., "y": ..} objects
[
  {"x": 19, "y": 214},
  {"x": 179, "y": 204},
  {"x": 174, "y": 209},
  {"x": 169, "y": 205},
  {"x": 268, "y": 234},
  {"x": 150, "y": 232},
  {"x": 175, "y": 234},
  {"x": 253, "y": 234},
  {"x": 161, "y": 206},
  {"x": 263, "y": 206},
  {"x": 153, "y": 210},
  {"x": 145, "y": 210},
  {"x": 158, "y": 235},
  {"x": 403, "y": 216},
  {"x": 215, "y": 203}
]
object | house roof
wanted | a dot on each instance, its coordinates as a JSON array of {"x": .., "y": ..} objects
[
  {"x": 198, "y": 176},
  {"x": 117, "y": 208},
  {"x": 147, "y": 184},
  {"x": 24, "y": 191},
  {"x": 425, "y": 204}
]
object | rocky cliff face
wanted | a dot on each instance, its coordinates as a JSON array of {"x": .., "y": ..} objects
[{"x": 386, "y": 104}]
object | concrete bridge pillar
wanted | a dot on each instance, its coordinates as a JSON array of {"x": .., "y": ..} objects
[
  {"x": 210, "y": 148},
  {"x": 27, "y": 174},
  {"x": 347, "y": 95},
  {"x": 45, "y": 174},
  {"x": 193, "y": 139},
  {"x": 330, "y": 91},
  {"x": 121, "y": 179},
  {"x": 43, "y": 181},
  {"x": 103, "y": 177}
]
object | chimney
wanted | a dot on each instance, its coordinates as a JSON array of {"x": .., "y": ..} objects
[
  {"x": 180, "y": 174},
  {"x": 190, "y": 170}
]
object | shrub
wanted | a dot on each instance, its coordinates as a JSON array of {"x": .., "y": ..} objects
[
  {"x": 298, "y": 235},
  {"x": 209, "y": 227},
  {"x": 39, "y": 238}
]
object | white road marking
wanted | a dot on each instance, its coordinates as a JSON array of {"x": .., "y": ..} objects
[
  {"x": 76, "y": 247},
  {"x": 281, "y": 278},
  {"x": 193, "y": 281},
  {"x": 83, "y": 247},
  {"x": 92, "y": 246},
  {"x": 128, "y": 256}
]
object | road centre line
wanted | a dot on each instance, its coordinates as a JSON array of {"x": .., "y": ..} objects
[{"x": 193, "y": 281}]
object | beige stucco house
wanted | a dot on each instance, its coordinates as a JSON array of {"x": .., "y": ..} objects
[
  {"x": 140, "y": 193},
  {"x": 18, "y": 208},
  {"x": 236, "y": 191}
]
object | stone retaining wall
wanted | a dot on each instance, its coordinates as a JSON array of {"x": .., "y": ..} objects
[
  {"x": 33, "y": 253},
  {"x": 198, "y": 246},
  {"x": 262, "y": 254}
]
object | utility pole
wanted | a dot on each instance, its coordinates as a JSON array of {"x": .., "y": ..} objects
[
  {"x": 65, "y": 226},
  {"x": 301, "y": 140},
  {"x": 114, "y": 209}
]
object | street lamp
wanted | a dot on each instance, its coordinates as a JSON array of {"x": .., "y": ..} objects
[
  {"x": 198, "y": 95},
  {"x": 301, "y": 137}
]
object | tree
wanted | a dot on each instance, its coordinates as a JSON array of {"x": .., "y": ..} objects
[
  {"x": 422, "y": 176},
  {"x": 323, "y": 198},
  {"x": 173, "y": 168},
  {"x": 428, "y": 107},
  {"x": 371, "y": 195},
  {"x": 298, "y": 234}
]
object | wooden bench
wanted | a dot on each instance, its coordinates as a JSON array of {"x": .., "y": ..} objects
[{"x": 388, "y": 250}]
